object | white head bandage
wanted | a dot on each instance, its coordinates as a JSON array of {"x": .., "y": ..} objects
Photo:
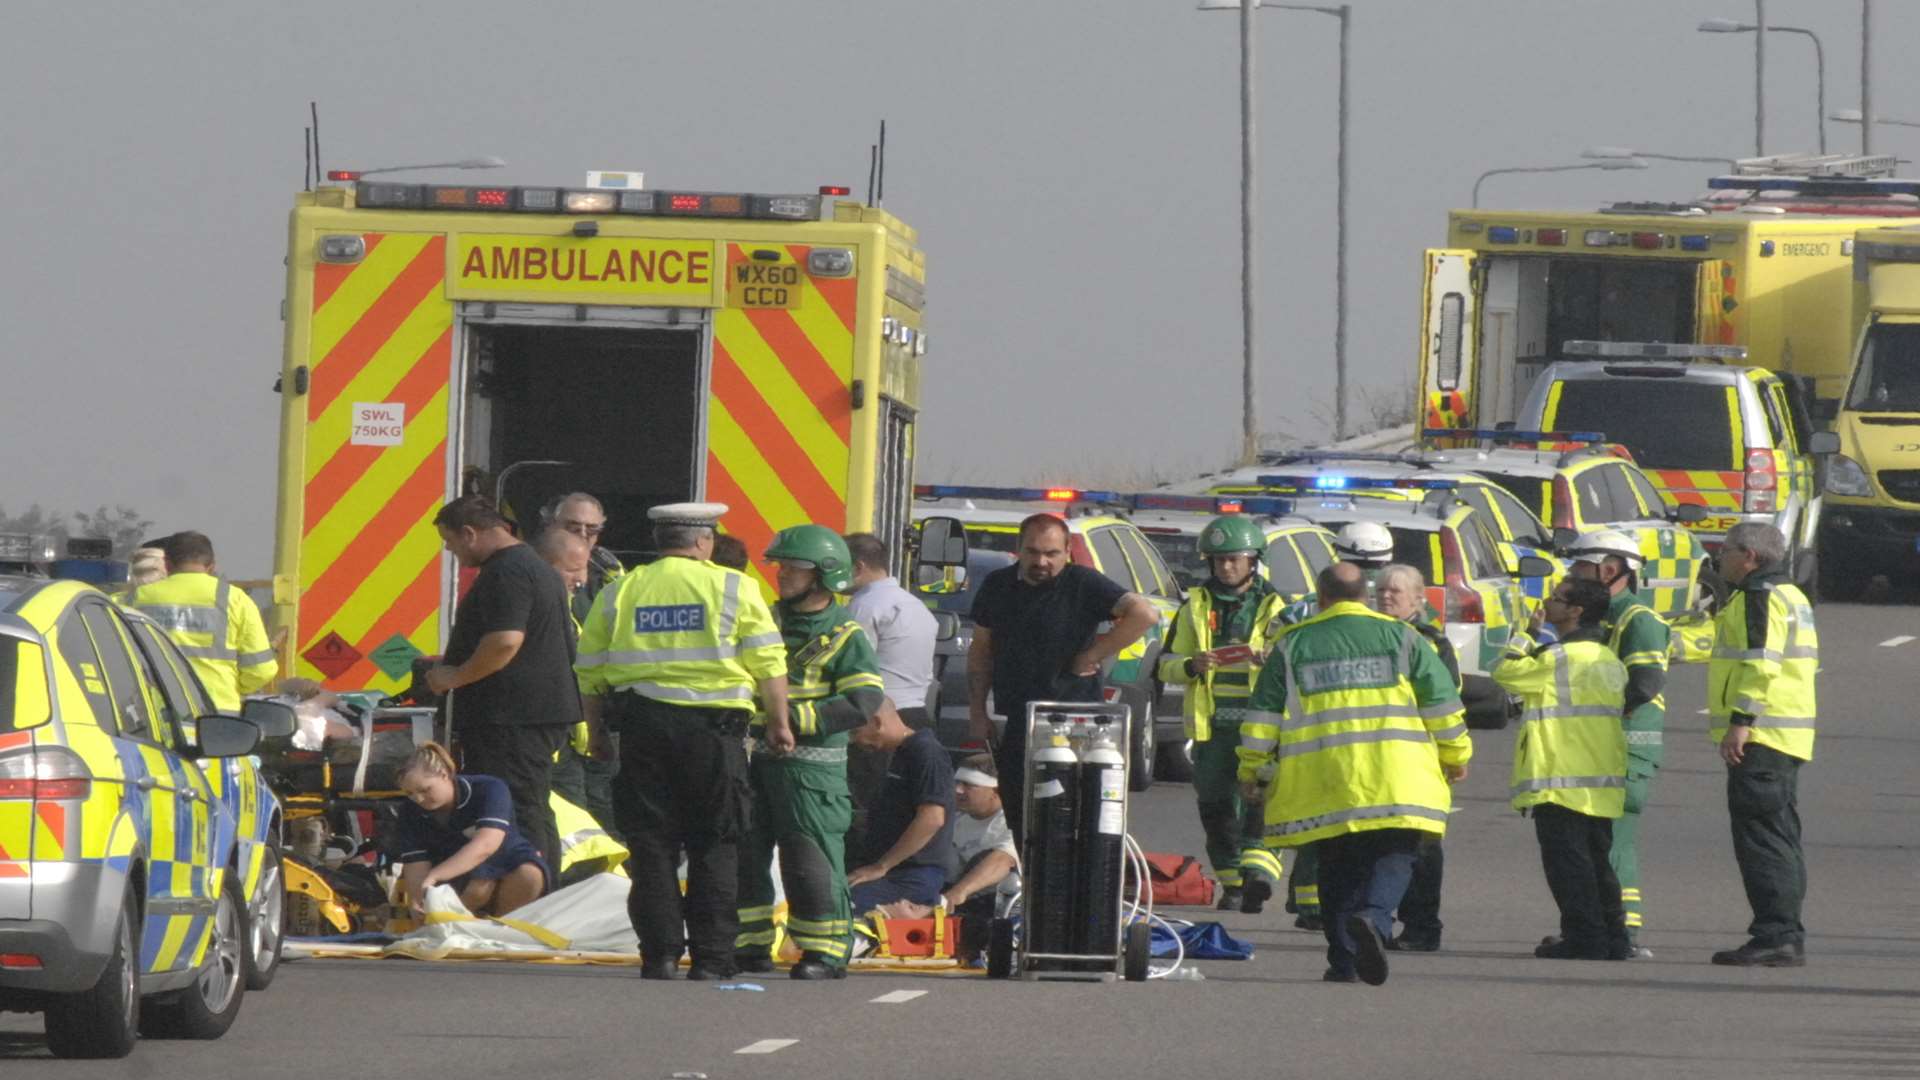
[{"x": 975, "y": 778}]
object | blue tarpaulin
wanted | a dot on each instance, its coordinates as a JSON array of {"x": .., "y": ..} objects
[{"x": 1203, "y": 941}]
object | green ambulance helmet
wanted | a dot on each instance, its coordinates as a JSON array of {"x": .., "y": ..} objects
[
  {"x": 1232, "y": 534},
  {"x": 819, "y": 547}
]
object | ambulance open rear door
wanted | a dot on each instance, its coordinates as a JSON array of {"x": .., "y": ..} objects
[{"x": 1449, "y": 340}]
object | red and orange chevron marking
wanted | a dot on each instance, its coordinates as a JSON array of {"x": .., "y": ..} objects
[
  {"x": 1706, "y": 487},
  {"x": 780, "y": 417},
  {"x": 369, "y": 555}
]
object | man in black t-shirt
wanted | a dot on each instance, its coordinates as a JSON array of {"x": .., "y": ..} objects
[
  {"x": 1035, "y": 639},
  {"x": 508, "y": 668},
  {"x": 909, "y": 835}
]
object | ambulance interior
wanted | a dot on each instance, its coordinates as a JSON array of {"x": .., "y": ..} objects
[
  {"x": 1533, "y": 305},
  {"x": 613, "y": 411}
]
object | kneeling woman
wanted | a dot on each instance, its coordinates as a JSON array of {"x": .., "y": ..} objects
[{"x": 458, "y": 831}]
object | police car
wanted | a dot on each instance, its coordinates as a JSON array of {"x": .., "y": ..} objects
[
  {"x": 1104, "y": 540},
  {"x": 140, "y": 885}
]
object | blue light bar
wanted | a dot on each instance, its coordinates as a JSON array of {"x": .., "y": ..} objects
[
  {"x": 1016, "y": 494},
  {"x": 1503, "y": 435},
  {"x": 1832, "y": 185},
  {"x": 1696, "y": 243},
  {"x": 1503, "y": 234},
  {"x": 1341, "y": 482}
]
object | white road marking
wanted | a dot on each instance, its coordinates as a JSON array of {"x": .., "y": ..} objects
[
  {"x": 1896, "y": 642},
  {"x": 766, "y": 1046},
  {"x": 898, "y": 997},
  {"x": 1704, "y": 712}
]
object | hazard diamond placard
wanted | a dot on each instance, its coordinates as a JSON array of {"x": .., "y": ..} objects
[{"x": 332, "y": 655}]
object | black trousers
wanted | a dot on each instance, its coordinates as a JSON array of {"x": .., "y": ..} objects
[
  {"x": 1420, "y": 908},
  {"x": 1573, "y": 851},
  {"x": 521, "y": 756},
  {"x": 866, "y": 775},
  {"x": 1763, "y": 804},
  {"x": 682, "y": 788}
]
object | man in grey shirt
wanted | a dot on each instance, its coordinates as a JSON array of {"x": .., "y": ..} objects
[{"x": 902, "y": 631}]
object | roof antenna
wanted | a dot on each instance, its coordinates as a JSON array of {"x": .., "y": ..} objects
[
  {"x": 873, "y": 164},
  {"x": 880, "y": 180},
  {"x": 314, "y": 107},
  {"x": 306, "y": 176}
]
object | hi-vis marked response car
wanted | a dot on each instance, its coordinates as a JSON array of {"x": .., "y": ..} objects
[
  {"x": 525, "y": 342},
  {"x": 140, "y": 883}
]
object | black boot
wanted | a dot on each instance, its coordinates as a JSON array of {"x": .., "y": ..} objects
[
  {"x": 660, "y": 969},
  {"x": 752, "y": 963},
  {"x": 1230, "y": 898},
  {"x": 811, "y": 968},
  {"x": 1255, "y": 894},
  {"x": 1754, "y": 954}
]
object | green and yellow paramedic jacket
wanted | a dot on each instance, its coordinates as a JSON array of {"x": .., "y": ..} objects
[
  {"x": 1640, "y": 638},
  {"x": 1205, "y": 622},
  {"x": 218, "y": 630},
  {"x": 1571, "y": 747},
  {"x": 1351, "y": 718},
  {"x": 682, "y": 631},
  {"x": 833, "y": 685},
  {"x": 1765, "y": 653}
]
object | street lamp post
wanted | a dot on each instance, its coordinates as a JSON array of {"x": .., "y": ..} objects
[
  {"x": 1344, "y": 13},
  {"x": 1618, "y": 153},
  {"x": 1855, "y": 116},
  {"x": 1603, "y": 163},
  {"x": 1729, "y": 26}
]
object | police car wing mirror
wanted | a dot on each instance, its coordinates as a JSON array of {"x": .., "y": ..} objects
[
  {"x": 1565, "y": 538},
  {"x": 1687, "y": 513},
  {"x": 223, "y": 736},
  {"x": 946, "y": 626},
  {"x": 275, "y": 719},
  {"x": 1823, "y": 442},
  {"x": 1533, "y": 566},
  {"x": 943, "y": 542}
]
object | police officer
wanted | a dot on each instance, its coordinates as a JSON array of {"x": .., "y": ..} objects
[
  {"x": 216, "y": 626},
  {"x": 672, "y": 654},
  {"x": 1570, "y": 765},
  {"x": 1639, "y": 637},
  {"x": 1369, "y": 546},
  {"x": 1760, "y": 695},
  {"x": 1219, "y": 637},
  {"x": 1356, "y": 730},
  {"x": 801, "y": 802}
]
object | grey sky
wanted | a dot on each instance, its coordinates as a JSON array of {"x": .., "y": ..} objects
[{"x": 1072, "y": 168}]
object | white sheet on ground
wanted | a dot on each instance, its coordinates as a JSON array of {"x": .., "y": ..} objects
[{"x": 590, "y": 916}]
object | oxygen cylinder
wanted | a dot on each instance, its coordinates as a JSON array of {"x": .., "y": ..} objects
[
  {"x": 1054, "y": 784},
  {"x": 1100, "y": 860}
]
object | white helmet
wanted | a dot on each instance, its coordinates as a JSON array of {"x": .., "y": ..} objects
[
  {"x": 1594, "y": 547},
  {"x": 1364, "y": 542}
]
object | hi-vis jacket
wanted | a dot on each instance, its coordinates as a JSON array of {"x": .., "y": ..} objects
[
  {"x": 1765, "y": 653},
  {"x": 1571, "y": 749},
  {"x": 1222, "y": 691},
  {"x": 1351, "y": 719},
  {"x": 218, "y": 629},
  {"x": 681, "y": 631},
  {"x": 828, "y": 656},
  {"x": 1641, "y": 638}
]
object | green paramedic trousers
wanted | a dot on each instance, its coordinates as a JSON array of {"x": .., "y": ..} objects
[
  {"x": 803, "y": 809},
  {"x": 1234, "y": 846},
  {"x": 1625, "y": 855}
]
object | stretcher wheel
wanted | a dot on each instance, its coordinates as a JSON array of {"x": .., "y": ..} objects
[
  {"x": 1000, "y": 949},
  {"x": 1138, "y": 950}
]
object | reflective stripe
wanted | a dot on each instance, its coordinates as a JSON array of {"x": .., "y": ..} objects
[
  {"x": 668, "y": 656},
  {"x": 1548, "y": 783},
  {"x": 1262, "y": 716},
  {"x": 761, "y": 641},
  {"x": 252, "y": 658},
  {"x": 1568, "y": 712},
  {"x": 1784, "y": 722},
  {"x": 1746, "y": 654},
  {"x": 206, "y": 652},
  {"x": 1229, "y": 715},
  {"x": 1256, "y": 744},
  {"x": 1667, "y": 583},
  {"x": 1453, "y": 732},
  {"x": 191, "y": 618},
  {"x": 1357, "y": 813},
  {"x": 729, "y": 607},
  {"x": 683, "y": 693},
  {"x": 1645, "y": 738},
  {"x": 1440, "y": 711},
  {"x": 1351, "y": 738},
  {"x": 826, "y": 755},
  {"x": 750, "y": 914},
  {"x": 1355, "y": 712},
  {"x": 1801, "y": 652}
]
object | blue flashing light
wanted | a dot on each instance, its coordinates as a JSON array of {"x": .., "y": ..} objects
[
  {"x": 1338, "y": 482},
  {"x": 1696, "y": 243},
  {"x": 1210, "y": 504},
  {"x": 1503, "y": 234},
  {"x": 1504, "y": 435}
]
